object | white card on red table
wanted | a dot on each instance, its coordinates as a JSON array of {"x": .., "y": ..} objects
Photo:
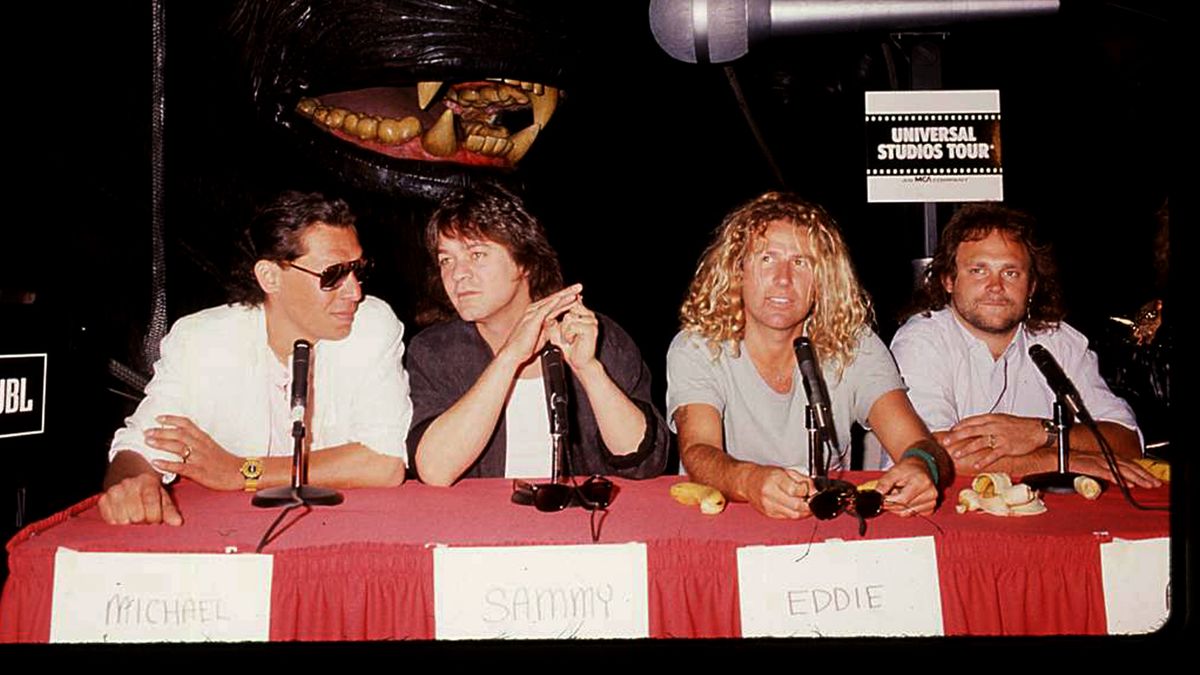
[
  {"x": 160, "y": 597},
  {"x": 885, "y": 587},
  {"x": 1137, "y": 584},
  {"x": 594, "y": 591}
]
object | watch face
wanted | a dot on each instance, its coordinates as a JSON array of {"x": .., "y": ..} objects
[{"x": 252, "y": 469}]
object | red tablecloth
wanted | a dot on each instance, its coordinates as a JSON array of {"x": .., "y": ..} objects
[{"x": 364, "y": 569}]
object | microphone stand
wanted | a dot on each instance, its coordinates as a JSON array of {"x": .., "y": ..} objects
[
  {"x": 817, "y": 469},
  {"x": 298, "y": 492},
  {"x": 1061, "y": 481}
]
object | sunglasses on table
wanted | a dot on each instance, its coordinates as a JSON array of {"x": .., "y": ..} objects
[
  {"x": 333, "y": 276},
  {"x": 593, "y": 494},
  {"x": 834, "y": 497}
]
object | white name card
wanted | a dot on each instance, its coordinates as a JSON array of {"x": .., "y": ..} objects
[
  {"x": 596, "y": 591},
  {"x": 1137, "y": 584},
  {"x": 882, "y": 587},
  {"x": 160, "y": 597}
]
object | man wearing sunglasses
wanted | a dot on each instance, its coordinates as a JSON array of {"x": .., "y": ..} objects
[
  {"x": 218, "y": 408},
  {"x": 778, "y": 270},
  {"x": 989, "y": 294},
  {"x": 477, "y": 386}
]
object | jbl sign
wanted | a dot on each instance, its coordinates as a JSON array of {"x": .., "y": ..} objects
[{"x": 22, "y": 394}]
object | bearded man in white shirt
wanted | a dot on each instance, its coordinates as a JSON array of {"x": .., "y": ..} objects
[
  {"x": 217, "y": 410},
  {"x": 988, "y": 295}
]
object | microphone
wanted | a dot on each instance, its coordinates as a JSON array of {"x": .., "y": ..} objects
[
  {"x": 1059, "y": 383},
  {"x": 554, "y": 376},
  {"x": 716, "y": 31},
  {"x": 814, "y": 388},
  {"x": 301, "y": 350},
  {"x": 299, "y": 492}
]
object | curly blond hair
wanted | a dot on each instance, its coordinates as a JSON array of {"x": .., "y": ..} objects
[{"x": 841, "y": 309}]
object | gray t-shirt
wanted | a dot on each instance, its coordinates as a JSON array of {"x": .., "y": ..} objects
[{"x": 762, "y": 425}]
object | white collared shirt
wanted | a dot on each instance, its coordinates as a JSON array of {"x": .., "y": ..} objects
[
  {"x": 216, "y": 369},
  {"x": 951, "y": 375}
]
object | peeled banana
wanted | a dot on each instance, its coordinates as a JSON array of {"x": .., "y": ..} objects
[
  {"x": 995, "y": 493},
  {"x": 710, "y": 499}
]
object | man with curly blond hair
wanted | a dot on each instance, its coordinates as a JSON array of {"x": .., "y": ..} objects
[{"x": 777, "y": 270}]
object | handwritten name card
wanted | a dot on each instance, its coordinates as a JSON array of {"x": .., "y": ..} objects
[
  {"x": 885, "y": 587},
  {"x": 596, "y": 591},
  {"x": 160, "y": 597}
]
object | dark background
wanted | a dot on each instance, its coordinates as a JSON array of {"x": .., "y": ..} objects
[{"x": 631, "y": 177}]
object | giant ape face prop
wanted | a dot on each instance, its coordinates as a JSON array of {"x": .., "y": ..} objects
[{"x": 408, "y": 96}]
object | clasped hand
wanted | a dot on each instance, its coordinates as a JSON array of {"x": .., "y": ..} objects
[{"x": 560, "y": 319}]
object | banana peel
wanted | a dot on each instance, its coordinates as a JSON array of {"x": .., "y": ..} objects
[
  {"x": 995, "y": 493},
  {"x": 710, "y": 499}
]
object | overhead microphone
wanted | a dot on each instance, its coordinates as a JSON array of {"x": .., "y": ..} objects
[{"x": 717, "y": 31}]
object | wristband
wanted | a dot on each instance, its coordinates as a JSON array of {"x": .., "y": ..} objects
[{"x": 924, "y": 456}]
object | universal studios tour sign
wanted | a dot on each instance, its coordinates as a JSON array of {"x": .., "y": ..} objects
[{"x": 933, "y": 146}]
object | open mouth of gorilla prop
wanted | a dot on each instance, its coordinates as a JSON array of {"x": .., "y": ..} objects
[
  {"x": 488, "y": 123},
  {"x": 409, "y": 96}
]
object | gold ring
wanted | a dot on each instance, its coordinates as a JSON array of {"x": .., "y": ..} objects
[
  {"x": 991, "y": 440},
  {"x": 187, "y": 452}
]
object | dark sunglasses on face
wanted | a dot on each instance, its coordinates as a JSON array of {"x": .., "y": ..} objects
[
  {"x": 333, "y": 276},
  {"x": 836, "y": 496},
  {"x": 593, "y": 494}
]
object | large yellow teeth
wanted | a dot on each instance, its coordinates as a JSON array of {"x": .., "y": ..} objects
[
  {"x": 543, "y": 105},
  {"x": 441, "y": 139},
  {"x": 475, "y": 107},
  {"x": 426, "y": 92},
  {"x": 393, "y": 132},
  {"x": 521, "y": 142}
]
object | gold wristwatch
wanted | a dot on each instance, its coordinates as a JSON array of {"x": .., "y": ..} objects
[{"x": 252, "y": 470}]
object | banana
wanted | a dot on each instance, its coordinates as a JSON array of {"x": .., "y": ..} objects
[
  {"x": 968, "y": 500},
  {"x": 1087, "y": 486},
  {"x": 991, "y": 484},
  {"x": 1032, "y": 508},
  {"x": 995, "y": 493},
  {"x": 710, "y": 499},
  {"x": 1018, "y": 495},
  {"x": 1158, "y": 468}
]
